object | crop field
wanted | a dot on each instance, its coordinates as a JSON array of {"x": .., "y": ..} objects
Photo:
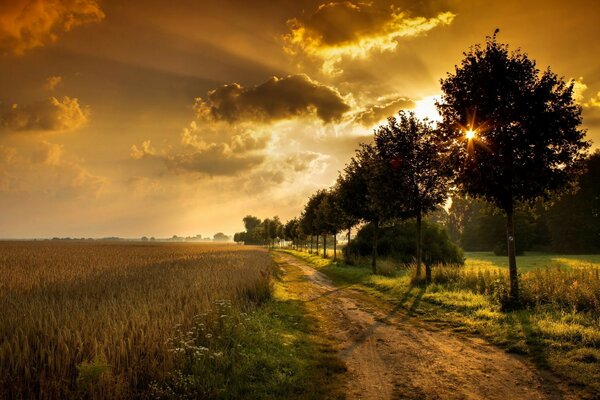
[{"x": 89, "y": 319}]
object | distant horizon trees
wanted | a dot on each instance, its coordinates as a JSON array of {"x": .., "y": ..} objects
[
  {"x": 260, "y": 232},
  {"x": 477, "y": 226}
]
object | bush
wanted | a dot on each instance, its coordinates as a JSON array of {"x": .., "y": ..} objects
[{"x": 399, "y": 243}]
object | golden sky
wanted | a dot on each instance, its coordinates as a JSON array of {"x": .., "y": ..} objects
[{"x": 156, "y": 117}]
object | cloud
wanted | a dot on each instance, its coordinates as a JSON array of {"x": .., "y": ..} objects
[
  {"x": 52, "y": 82},
  {"x": 276, "y": 99},
  {"x": 378, "y": 112},
  {"x": 355, "y": 30},
  {"x": 216, "y": 160},
  {"x": 8, "y": 182},
  {"x": 49, "y": 154},
  {"x": 306, "y": 161},
  {"x": 48, "y": 115},
  {"x": 45, "y": 169},
  {"x": 27, "y": 24},
  {"x": 213, "y": 151},
  {"x": 145, "y": 150},
  {"x": 579, "y": 89},
  {"x": 594, "y": 101}
]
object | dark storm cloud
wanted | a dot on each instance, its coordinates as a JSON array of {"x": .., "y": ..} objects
[{"x": 276, "y": 99}]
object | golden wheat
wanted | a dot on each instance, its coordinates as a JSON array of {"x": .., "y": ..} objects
[{"x": 70, "y": 308}]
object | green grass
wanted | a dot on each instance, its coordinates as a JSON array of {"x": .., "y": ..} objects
[
  {"x": 553, "y": 336},
  {"x": 270, "y": 351},
  {"x": 531, "y": 260}
]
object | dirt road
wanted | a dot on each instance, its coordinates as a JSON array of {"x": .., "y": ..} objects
[{"x": 391, "y": 355}]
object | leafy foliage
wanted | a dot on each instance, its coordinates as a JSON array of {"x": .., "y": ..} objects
[
  {"x": 528, "y": 142},
  {"x": 416, "y": 180},
  {"x": 398, "y": 242}
]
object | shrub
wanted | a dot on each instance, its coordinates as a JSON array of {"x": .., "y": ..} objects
[{"x": 398, "y": 242}]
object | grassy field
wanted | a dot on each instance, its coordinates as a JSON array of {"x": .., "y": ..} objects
[
  {"x": 531, "y": 261},
  {"x": 130, "y": 320},
  {"x": 559, "y": 329}
]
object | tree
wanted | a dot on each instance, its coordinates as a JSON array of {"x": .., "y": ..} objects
[
  {"x": 251, "y": 223},
  {"x": 280, "y": 233},
  {"x": 512, "y": 132},
  {"x": 357, "y": 189},
  {"x": 290, "y": 231},
  {"x": 220, "y": 237},
  {"x": 274, "y": 230},
  {"x": 417, "y": 177},
  {"x": 239, "y": 237},
  {"x": 343, "y": 203},
  {"x": 330, "y": 219},
  {"x": 254, "y": 231},
  {"x": 270, "y": 230},
  {"x": 310, "y": 219}
]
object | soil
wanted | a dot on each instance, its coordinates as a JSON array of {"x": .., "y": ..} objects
[{"x": 390, "y": 354}]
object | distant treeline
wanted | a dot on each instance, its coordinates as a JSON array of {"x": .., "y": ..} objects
[
  {"x": 570, "y": 225},
  {"x": 218, "y": 237}
]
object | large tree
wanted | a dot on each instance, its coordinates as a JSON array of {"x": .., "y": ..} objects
[
  {"x": 513, "y": 132},
  {"x": 416, "y": 173}
]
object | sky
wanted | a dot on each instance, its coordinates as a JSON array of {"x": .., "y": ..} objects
[{"x": 161, "y": 118}]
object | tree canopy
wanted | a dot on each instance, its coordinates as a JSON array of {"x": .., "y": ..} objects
[{"x": 512, "y": 131}]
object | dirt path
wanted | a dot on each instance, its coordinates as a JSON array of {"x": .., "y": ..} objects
[{"x": 391, "y": 355}]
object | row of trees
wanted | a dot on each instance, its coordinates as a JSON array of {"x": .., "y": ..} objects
[
  {"x": 510, "y": 135},
  {"x": 260, "y": 232}
]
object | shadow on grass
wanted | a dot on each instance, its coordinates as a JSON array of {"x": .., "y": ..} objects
[{"x": 536, "y": 348}]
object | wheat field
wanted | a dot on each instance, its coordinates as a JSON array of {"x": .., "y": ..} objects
[{"x": 92, "y": 319}]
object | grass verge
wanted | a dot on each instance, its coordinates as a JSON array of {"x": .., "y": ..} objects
[
  {"x": 271, "y": 351},
  {"x": 565, "y": 341}
]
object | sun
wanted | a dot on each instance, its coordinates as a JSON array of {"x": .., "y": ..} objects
[{"x": 470, "y": 134}]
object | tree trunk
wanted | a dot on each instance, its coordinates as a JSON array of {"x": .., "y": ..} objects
[
  {"x": 419, "y": 239},
  {"x": 335, "y": 246},
  {"x": 324, "y": 245},
  {"x": 317, "y": 245},
  {"x": 311, "y": 244},
  {"x": 374, "y": 254},
  {"x": 347, "y": 248},
  {"x": 512, "y": 259}
]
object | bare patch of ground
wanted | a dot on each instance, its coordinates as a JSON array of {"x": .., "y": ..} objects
[{"x": 392, "y": 355}]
